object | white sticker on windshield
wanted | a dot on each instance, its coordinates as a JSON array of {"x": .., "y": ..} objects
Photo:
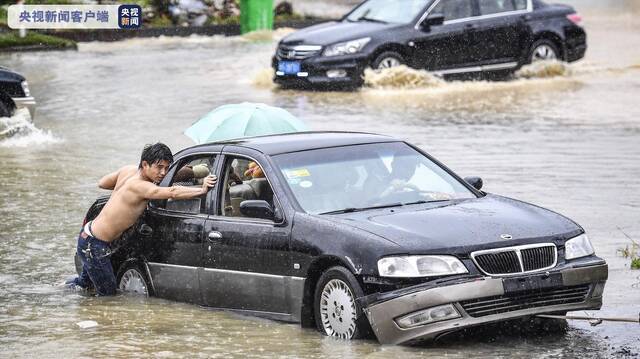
[{"x": 306, "y": 184}]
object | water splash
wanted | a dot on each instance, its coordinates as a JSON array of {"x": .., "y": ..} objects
[
  {"x": 545, "y": 69},
  {"x": 401, "y": 77},
  {"x": 263, "y": 78},
  {"x": 267, "y": 35},
  {"x": 18, "y": 131}
]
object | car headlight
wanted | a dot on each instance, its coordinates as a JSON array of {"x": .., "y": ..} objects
[
  {"x": 420, "y": 266},
  {"x": 578, "y": 247},
  {"x": 25, "y": 88},
  {"x": 346, "y": 48}
]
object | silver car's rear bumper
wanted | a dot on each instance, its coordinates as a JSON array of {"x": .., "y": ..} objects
[
  {"x": 382, "y": 315},
  {"x": 26, "y": 102}
]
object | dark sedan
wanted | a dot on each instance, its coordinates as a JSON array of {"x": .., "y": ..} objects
[
  {"x": 448, "y": 37},
  {"x": 14, "y": 93},
  {"x": 352, "y": 233}
]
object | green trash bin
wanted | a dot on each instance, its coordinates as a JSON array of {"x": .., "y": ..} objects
[{"x": 256, "y": 15}]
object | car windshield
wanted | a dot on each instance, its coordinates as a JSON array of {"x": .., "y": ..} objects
[
  {"x": 361, "y": 177},
  {"x": 388, "y": 11}
]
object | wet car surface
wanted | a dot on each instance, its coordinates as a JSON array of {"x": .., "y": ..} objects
[
  {"x": 384, "y": 239},
  {"x": 14, "y": 93},
  {"x": 567, "y": 143},
  {"x": 445, "y": 37}
]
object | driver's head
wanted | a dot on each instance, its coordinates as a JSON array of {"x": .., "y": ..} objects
[{"x": 404, "y": 167}]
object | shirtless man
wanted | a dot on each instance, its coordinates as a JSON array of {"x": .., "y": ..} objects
[{"x": 132, "y": 189}]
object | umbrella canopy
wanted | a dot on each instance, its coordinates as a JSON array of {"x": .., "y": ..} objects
[{"x": 243, "y": 120}]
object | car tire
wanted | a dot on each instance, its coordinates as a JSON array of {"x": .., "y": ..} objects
[
  {"x": 337, "y": 313},
  {"x": 387, "y": 59},
  {"x": 132, "y": 279},
  {"x": 5, "y": 111},
  {"x": 543, "y": 50}
]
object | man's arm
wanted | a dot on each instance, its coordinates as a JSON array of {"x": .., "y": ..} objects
[
  {"x": 149, "y": 190},
  {"x": 109, "y": 181}
]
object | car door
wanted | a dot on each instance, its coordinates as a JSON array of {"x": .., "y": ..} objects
[
  {"x": 501, "y": 30},
  {"x": 173, "y": 233},
  {"x": 445, "y": 46},
  {"x": 246, "y": 259}
]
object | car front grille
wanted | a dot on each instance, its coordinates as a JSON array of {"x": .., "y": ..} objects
[
  {"x": 503, "y": 304},
  {"x": 13, "y": 89},
  {"x": 516, "y": 260},
  {"x": 299, "y": 52}
]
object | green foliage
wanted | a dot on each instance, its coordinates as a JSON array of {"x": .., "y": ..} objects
[
  {"x": 12, "y": 39},
  {"x": 3, "y": 15},
  {"x": 229, "y": 20},
  {"x": 631, "y": 252},
  {"x": 158, "y": 21}
]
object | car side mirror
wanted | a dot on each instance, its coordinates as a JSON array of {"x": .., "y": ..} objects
[
  {"x": 475, "y": 182},
  {"x": 256, "y": 209},
  {"x": 432, "y": 20}
]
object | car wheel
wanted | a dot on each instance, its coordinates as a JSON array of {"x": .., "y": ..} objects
[
  {"x": 4, "y": 110},
  {"x": 543, "y": 50},
  {"x": 337, "y": 313},
  {"x": 132, "y": 280},
  {"x": 387, "y": 60}
]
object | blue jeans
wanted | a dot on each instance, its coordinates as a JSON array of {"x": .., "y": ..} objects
[{"x": 96, "y": 265}]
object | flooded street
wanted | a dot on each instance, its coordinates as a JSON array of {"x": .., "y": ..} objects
[{"x": 570, "y": 143}]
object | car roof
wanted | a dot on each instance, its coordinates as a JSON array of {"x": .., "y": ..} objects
[{"x": 295, "y": 142}]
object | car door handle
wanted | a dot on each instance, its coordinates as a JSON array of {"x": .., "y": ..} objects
[
  {"x": 526, "y": 17},
  {"x": 214, "y": 235},
  {"x": 471, "y": 26},
  {"x": 145, "y": 229}
]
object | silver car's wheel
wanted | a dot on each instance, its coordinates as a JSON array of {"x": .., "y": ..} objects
[
  {"x": 338, "y": 309},
  {"x": 543, "y": 52},
  {"x": 132, "y": 281},
  {"x": 388, "y": 62}
]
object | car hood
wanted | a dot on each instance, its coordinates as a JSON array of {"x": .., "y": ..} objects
[
  {"x": 332, "y": 32},
  {"x": 8, "y": 75},
  {"x": 463, "y": 226}
]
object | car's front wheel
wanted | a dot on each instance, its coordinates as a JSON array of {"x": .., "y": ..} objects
[
  {"x": 5, "y": 111},
  {"x": 543, "y": 50},
  {"x": 337, "y": 313},
  {"x": 387, "y": 60},
  {"x": 133, "y": 280}
]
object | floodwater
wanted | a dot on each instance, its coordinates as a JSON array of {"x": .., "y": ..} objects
[{"x": 570, "y": 142}]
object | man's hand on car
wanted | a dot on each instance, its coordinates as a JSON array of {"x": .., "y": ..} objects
[{"x": 208, "y": 183}]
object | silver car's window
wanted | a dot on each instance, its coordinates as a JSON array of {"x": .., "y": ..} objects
[
  {"x": 397, "y": 11},
  {"x": 454, "y": 9},
  {"x": 488, "y": 7},
  {"x": 360, "y": 176}
]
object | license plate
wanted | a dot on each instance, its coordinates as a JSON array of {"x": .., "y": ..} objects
[
  {"x": 532, "y": 283},
  {"x": 289, "y": 67}
]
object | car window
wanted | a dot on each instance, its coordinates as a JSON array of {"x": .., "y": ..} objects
[
  {"x": 190, "y": 173},
  {"x": 243, "y": 180},
  {"x": 361, "y": 176},
  {"x": 454, "y": 9},
  {"x": 397, "y": 11},
  {"x": 488, "y": 7}
]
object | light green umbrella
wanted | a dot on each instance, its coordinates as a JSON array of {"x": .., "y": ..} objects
[{"x": 243, "y": 120}]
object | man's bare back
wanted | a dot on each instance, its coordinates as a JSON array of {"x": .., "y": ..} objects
[{"x": 132, "y": 190}]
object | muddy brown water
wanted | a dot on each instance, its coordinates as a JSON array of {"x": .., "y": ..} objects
[{"x": 570, "y": 143}]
